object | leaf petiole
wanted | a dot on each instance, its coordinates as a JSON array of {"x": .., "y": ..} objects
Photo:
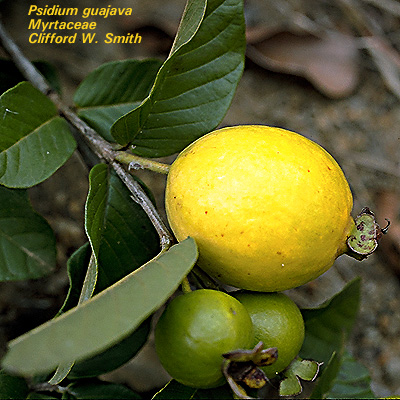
[{"x": 136, "y": 162}]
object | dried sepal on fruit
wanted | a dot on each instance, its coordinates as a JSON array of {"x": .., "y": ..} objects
[{"x": 365, "y": 235}]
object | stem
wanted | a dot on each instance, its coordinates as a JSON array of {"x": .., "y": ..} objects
[
  {"x": 47, "y": 387},
  {"x": 205, "y": 280},
  {"x": 98, "y": 145},
  {"x": 24, "y": 65},
  {"x": 186, "y": 286},
  {"x": 136, "y": 162},
  {"x": 137, "y": 195}
]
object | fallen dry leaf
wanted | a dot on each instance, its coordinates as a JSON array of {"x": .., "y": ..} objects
[
  {"x": 385, "y": 56},
  {"x": 329, "y": 62},
  {"x": 387, "y": 59}
]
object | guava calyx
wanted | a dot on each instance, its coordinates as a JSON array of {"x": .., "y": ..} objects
[
  {"x": 247, "y": 373},
  {"x": 365, "y": 235},
  {"x": 258, "y": 355},
  {"x": 242, "y": 367}
]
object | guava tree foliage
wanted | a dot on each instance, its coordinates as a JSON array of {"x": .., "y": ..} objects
[{"x": 128, "y": 112}]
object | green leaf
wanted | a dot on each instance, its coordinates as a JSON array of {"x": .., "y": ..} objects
[
  {"x": 10, "y": 75},
  {"x": 195, "y": 85},
  {"x": 290, "y": 386},
  {"x": 76, "y": 269},
  {"x": 40, "y": 396},
  {"x": 325, "y": 381},
  {"x": 113, "y": 357},
  {"x": 221, "y": 392},
  {"x": 113, "y": 90},
  {"x": 352, "y": 382},
  {"x": 120, "y": 232},
  {"x": 192, "y": 17},
  {"x": 27, "y": 243},
  {"x": 305, "y": 369},
  {"x": 116, "y": 355},
  {"x": 343, "y": 378},
  {"x": 328, "y": 326},
  {"x": 12, "y": 387},
  {"x": 96, "y": 206},
  {"x": 298, "y": 369},
  {"x": 34, "y": 140},
  {"x": 96, "y": 389},
  {"x": 105, "y": 319},
  {"x": 177, "y": 391},
  {"x": 86, "y": 293}
]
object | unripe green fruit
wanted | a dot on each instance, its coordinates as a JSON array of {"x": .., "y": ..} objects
[
  {"x": 195, "y": 330},
  {"x": 277, "y": 322}
]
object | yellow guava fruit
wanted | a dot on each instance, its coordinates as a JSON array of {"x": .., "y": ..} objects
[{"x": 269, "y": 209}]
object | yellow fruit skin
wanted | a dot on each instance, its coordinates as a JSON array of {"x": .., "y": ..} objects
[{"x": 268, "y": 208}]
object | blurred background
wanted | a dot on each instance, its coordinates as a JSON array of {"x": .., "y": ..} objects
[{"x": 329, "y": 69}]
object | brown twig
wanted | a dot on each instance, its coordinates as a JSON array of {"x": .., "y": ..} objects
[{"x": 98, "y": 145}]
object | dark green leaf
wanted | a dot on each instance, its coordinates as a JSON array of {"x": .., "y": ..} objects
[
  {"x": 34, "y": 140},
  {"x": 27, "y": 243},
  {"x": 10, "y": 76},
  {"x": 50, "y": 73},
  {"x": 96, "y": 206},
  {"x": 325, "y": 381},
  {"x": 343, "y": 377},
  {"x": 12, "y": 387},
  {"x": 177, "y": 391},
  {"x": 328, "y": 326},
  {"x": 222, "y": 392},
  {"x": 105, "y": 319},
  {"x": 76, "y": 269},
  {"x": 190, "y": 22},
  {"x": 195, "y": 85},
  {"x": 67, "y": 396},
  {"x": 113, "y": 90},
  {"x": 121, "y": 234},
  {"x": 96, "y": 389},
  {"x": 352, "y": 382},
  {"x": 40, "y": 396}
]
